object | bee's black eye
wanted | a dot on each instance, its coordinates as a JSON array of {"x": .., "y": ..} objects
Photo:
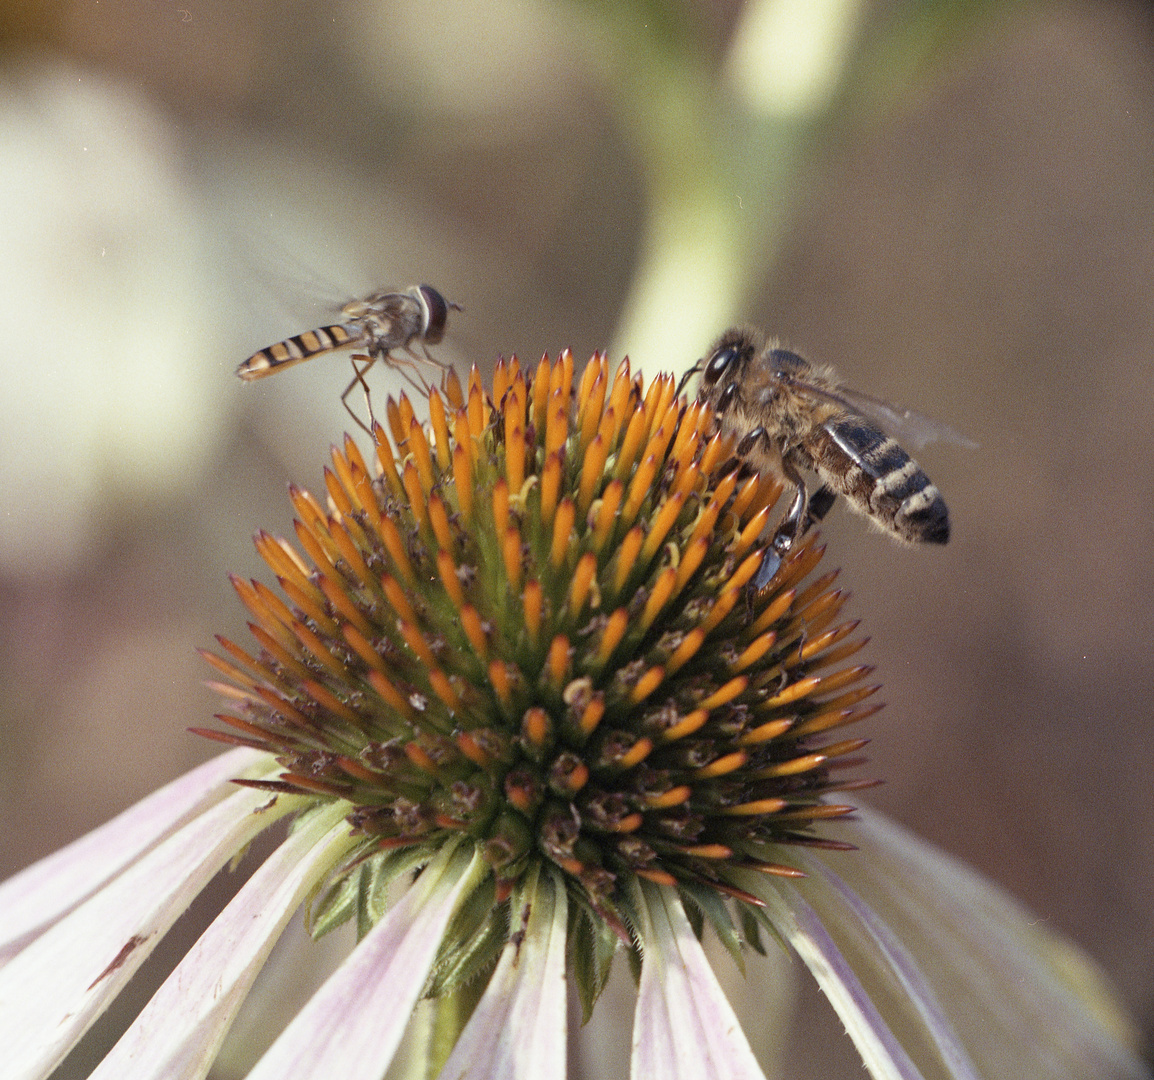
[
  {"x": 718, "y": 363},
  {"x": 727, "y": 398}
]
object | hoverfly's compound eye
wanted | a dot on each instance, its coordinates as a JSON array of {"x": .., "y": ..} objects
[
  {"x": 727, "y": 398},
  {"x": 434, "y": 314},
  {"x": 718, "y": 363}
]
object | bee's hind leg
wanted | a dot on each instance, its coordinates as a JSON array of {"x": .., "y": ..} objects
[
  {"x": 796, "y": 518},
  {"x": 820, "y": 503},
  {"x": 803, "y": 511}
]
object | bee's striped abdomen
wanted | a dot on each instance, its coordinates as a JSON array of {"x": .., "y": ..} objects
[
  {"x": 878, "y": 477},
  {"x": 300, "y": 347}
]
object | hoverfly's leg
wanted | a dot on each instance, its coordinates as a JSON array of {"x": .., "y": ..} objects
[
  {"x": 417, "y": 381},
  {"x": 410, "y": 371},
  {"x": 359, "y": 377},
  {"x": 433, "y": 362},
  {"x": 407, "y": 366}
]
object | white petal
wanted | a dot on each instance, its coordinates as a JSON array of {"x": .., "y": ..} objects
[
  {"x": 179, "y": 1032},
  {"x": 800, "y": 925},
  {"x": 1024, "y": 1001},
  {"x": 517, "y": 1031},
  {"x": 37, "y": 896},
  {"x": 352, "y": 1025},
  {"x": 684, "y": 1027},
  {"x": 52, "y": 991},
  {"x": 881, "y": 950}
]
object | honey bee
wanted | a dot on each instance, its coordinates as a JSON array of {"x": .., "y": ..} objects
[
  {"x": 793, "y": 416},
  {"x": 378, "y": 324}
]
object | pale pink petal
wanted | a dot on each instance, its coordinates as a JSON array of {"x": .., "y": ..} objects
[
  {"x": 37, "y": 896},
  {"x": 882, "y": 1053},
  {"x": 842, "y": 910},
  {"x": 1024, "y": 1001},
  {"x": 517, "y": 1031},
  {"x": 684, "y": 1027},
  {"x": 351, "y": 1027},
  {"x": 179, "y": 1032},
  {"x": 52, "y": 991}
]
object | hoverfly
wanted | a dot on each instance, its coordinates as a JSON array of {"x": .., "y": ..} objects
[{"x": 378, "y": 324}]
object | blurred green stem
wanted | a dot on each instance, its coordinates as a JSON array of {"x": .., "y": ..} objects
[
  {"x": 723, "y": 146},
  {"x": 719, "y": 154}
]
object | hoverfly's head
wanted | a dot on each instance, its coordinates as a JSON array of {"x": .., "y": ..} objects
[{"x": 721, "y": 373}]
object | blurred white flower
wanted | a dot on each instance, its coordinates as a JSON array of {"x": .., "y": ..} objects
[{"x": 103, "y": 348}]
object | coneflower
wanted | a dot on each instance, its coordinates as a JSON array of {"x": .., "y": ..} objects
[{"x": 535, "y": 635}]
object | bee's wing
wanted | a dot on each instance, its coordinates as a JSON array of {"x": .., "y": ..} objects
[{"x": 907, "y": 426}]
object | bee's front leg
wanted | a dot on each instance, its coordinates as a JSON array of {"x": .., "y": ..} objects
[
  {"x": 805, "y": 511},
  {"x": 686, "y": 377}
]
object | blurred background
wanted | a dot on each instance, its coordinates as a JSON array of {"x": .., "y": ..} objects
[{"x": 953, "y": 202}]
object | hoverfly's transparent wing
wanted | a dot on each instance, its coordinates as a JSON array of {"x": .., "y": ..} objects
[
  {"x": 910, "y": 428},
  {"x": 296, "y": 274}
]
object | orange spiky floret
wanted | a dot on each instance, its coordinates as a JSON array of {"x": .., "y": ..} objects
[{"x": 535, "y": 627}]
